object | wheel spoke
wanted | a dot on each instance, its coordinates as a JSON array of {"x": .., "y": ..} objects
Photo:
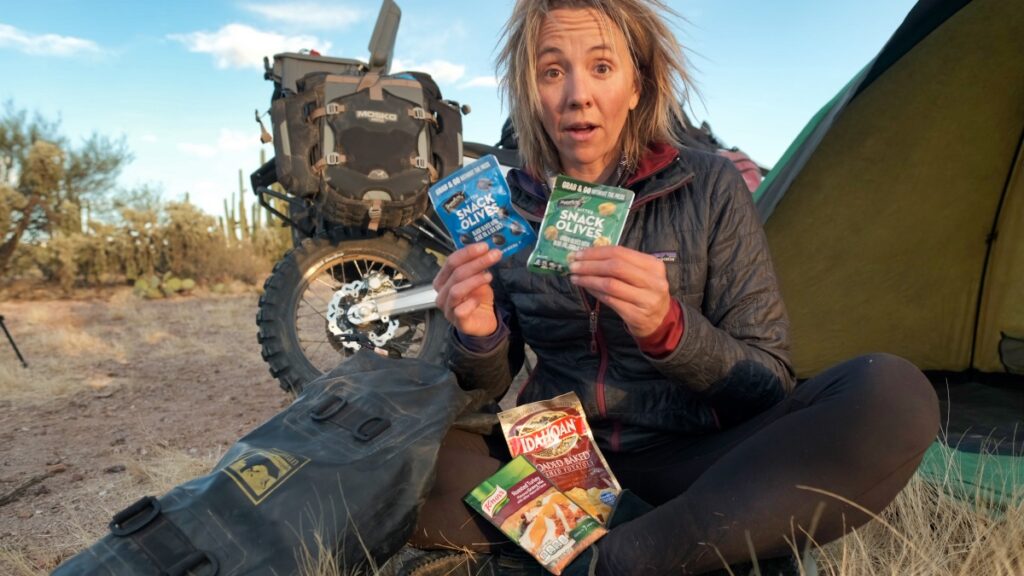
[
  {"x": 311, "y": 291},
  {"x": 321, "y": 280},
  {"x": 314, "y": 308},
  {"x": 311, "y": 353}
]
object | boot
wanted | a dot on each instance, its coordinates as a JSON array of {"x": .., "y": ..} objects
[{"x": 411, "y": 561}]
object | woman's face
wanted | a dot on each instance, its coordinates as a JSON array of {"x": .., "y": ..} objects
[{"x": 587, "y": 86}]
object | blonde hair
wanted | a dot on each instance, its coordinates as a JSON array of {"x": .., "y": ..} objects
[{"x": 662, "y": 76}]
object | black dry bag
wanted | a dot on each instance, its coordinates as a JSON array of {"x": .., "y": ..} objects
[{"x": 343, "y": 470}]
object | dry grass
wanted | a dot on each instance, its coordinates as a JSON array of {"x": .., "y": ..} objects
[
  {"x": 18, "y": 563},
  {"x": 163, "y": 468},
  {"x": 155, "y": 472},
  {"x": 75, "y": 346},
  {"x": 925, "y": 532},
  {"x": 89, "y": 345},
  {"x": 928, "y": 532}
]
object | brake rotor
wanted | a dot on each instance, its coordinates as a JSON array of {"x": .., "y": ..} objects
[{"x": 352, "y": 313}]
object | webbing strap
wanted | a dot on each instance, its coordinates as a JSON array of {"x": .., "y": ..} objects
[
  {"x": 371, "y": 81},
  {"x": 421, "y": 114},
  {"x": 423, "y": 164},
  {"x": 166, "y": 546},
  {"x": 375, "y": 212},
  {"x": 330, "y": 159},
  {"x": 331, "y": 109},
  {"x": 363, "y": 425}
]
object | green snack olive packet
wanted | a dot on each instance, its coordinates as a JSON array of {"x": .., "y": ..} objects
[{"x": 579, "y": 215}]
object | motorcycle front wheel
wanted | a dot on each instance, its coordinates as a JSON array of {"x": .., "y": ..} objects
[{"x": 299, "y": 334}]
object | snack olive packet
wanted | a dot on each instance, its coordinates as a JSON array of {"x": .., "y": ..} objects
[
  {"x": 555, "y": 437},
  {"x": 579, "y": 215},
  {"x": 527, "y": 508},
  {"x": 475, "y": 205}
]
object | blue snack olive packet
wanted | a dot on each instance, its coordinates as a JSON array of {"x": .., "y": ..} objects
[{"x": 475, "y": 205}]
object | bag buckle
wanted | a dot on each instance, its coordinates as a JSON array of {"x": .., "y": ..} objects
[
  {"x": 420, "y": 162},
  {"x": 334, "y": 108},
  {"x": 135, "y": 517},
  {"x": 333, "y": 158},
  {"x": 419, "y": 113}
]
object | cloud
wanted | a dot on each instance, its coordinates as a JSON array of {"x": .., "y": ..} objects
[
  {"x": 149, "y": 138},
  {"x": 45, "y": 44},
  {"x": 441, "y": 70},
  {"x": 228, "y": 141},
  {"x": 198, "y": 150},
  {"x": 481, "y": 82},
  {"x": 241, "y": 46},
  {"x": 309, "y": 14}
]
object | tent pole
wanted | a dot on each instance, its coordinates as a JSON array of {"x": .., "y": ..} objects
[
  {"x": 13, "y": 345},
  {"x": 1018, "y": 157}
]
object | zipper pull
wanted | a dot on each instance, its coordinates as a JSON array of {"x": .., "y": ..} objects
[{"x": 593, "y": 331}]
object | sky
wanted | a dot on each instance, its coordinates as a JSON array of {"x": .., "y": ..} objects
[{"x": 180, "y": 81}]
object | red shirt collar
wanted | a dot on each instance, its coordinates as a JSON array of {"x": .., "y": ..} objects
[{"x": 658, "y": 156}]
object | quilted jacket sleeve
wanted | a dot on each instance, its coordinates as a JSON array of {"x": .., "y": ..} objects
[
  {"x": 735, "y": 349},
  {"x": 487, "y": 375}
]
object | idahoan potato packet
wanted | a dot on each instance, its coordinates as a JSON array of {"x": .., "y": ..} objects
[
  {"x": 475, "y": 205},
  {"x": 555, "y": 437},
  {"x": 527, "y": 508},
  {"x": 579, "y": 215}
]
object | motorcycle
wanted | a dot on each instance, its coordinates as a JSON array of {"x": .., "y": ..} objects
[{"x": 343, "y": 287}]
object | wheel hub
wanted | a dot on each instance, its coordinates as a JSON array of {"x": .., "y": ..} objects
[{"x": 353, "y": 311}]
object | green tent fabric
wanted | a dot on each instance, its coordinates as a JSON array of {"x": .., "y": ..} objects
[{"x": 896, "y": 218}]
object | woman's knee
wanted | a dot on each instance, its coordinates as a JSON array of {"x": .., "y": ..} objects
[{"x": 897, "y": 395}]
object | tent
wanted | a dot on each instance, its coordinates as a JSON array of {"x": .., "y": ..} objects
[{"x": 896, "y": 223}]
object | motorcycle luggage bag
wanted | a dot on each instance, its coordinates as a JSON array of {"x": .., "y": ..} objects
[
  {"x": 294, "y": 137},
  {"x": 365, "y": 146},
  {"x": 343, "y": 470}
]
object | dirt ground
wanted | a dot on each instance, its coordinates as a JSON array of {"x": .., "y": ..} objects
[
  {"x": 126, "y": 397},
  {"x": 122, "y": 398}
]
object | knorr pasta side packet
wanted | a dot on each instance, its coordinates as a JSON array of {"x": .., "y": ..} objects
[
  {"x": 579, "y": 215},
  {"x": 527, "y": 508},
  {"x": 475, "y": 205},
  {"x": 555, "y": 437}
]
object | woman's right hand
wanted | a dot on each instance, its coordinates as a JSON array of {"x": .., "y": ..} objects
[{"x": 464, "y": 291}]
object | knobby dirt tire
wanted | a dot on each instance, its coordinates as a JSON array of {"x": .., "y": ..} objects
[{"x": 293, "y": 333}]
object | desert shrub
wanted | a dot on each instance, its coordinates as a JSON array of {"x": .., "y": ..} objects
[
  {"x": 238, "y": 262},
  {"x": 189, "y": 237},
  {"x": 58, "y": 259},
  {"x": 175, "y": 242}
]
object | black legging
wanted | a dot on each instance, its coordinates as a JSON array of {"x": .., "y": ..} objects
[{"x": 854, "y": 433}]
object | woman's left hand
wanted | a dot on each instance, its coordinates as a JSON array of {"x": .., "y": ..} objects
[{"x": 632, "y": 283}]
